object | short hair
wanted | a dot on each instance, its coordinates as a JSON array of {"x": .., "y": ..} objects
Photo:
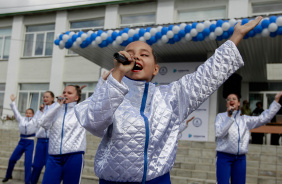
[{"x": 30, "y": 109}]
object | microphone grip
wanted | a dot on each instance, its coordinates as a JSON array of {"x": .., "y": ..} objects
[
  {"x": 121, "y": 59},
  {"x": 61, "y": 98},
  {"x": 231, "y": 112}
]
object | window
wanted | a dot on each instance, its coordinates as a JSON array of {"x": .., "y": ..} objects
[
  {"x": 87, "y": 91},
  {"x": 2, "y": 92},
  {"x": 202, "y": 14},
  {"x": 39, "y": 40},
  {"x": 137, "y": 20},
  {"x": 31, "y": 96},
  {"x": 267, "y": 8},
  {"x": 86, "y": 26},
  {"x": 5, "y": 41}
]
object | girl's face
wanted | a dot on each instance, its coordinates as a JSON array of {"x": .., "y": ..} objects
[
  {"x": 29, "y": 113},
  {"x": 70, "y": 94},
  {"x": 232, "y": 101},
  {"x": 47, "y": 98}
]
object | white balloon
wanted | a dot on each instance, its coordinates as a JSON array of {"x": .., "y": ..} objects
[
  {"x": 98, "y": 40},
  {"x": 78, "y": 41},
  {"x": 75, "y": 45},
  {"x": 71, "y": 34},
  {"x": 65, "y": 38},
  {"x": 265, "y": 33},
  {"x": 89, "y": 33},
  {"x": 207, "y": 23},
  {"x": 164, "y": 39},
  {"x": 119, "y": 40},
  {"x": 83, "y": 36},
  {"x": 104, "y": 36},
  {"x": 175, "y": 29},
  {"x": 61, "y": 44},
  {"x": 147, "y": 36},
  {"x": 232, "y": 22},
  {"x": 137, "y": 31},
  {"x": 153, "y": 31},
  {"x": 109, "y": 33},
  {"x": 182, "y": 26},
  {"x": 183, "y": 40},
  {"x": 212, "y": 36},
  {"x": 114, "y": 44},
  {"x": 131, "y": 32},
  {"x": 169, "y": 34},
  {"x": 200, "y": 27},
  {"x": 94, "y": 44},
  {"x": 225, "y": 26},
  {"x": 272, "y": 27},
  {"x": 207, "y": 39},
  {"x": 124, "y": 36},
  {"x": 279, "y": 21},
  {"x": 193, "y": 32},
  {"x": 142, "y": 39},
  {"x": 213, "y": 22},
  {"x": 58, "y": 36},
  {"x": 218, "y": 31},
  {"x": 159, "y": 28},
  {"x": 188, "y": 37}
]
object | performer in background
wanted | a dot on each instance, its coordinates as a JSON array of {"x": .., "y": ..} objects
[
  {"x": 41, "y": 150},
  {"x": 67, "y": 139},
  {"x": 233, "y": 133},
  {"x": 27, "y": 129}
]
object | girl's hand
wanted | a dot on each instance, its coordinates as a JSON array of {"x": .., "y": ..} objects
[
  {"x": 105, "y": 74},
  {"x": 41, "y": 107},
  {"x": 189, "y": 120},
  {"x": 241, "y": 31},
  {"x": 278, "y": 97},
  {"x": 121, "y": 70},
  {"x": 61, "y": 102},
  {"x": 13, "y": 97}
]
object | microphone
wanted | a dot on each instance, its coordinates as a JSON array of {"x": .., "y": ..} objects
[
  {"x": 231, "y": 112},
  {"x": 41, "y": 108},
  {"x": 61, "y": 98},
  {"x": 121, "y": 59}
]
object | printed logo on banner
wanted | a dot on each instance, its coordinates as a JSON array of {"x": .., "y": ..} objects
[
  {"x": 163, "y": 70},
  {"x": 197, "y": 122},
  {"x": 190, "y": 135}
]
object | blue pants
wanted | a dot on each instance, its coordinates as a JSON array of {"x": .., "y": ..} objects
[
  {"x": 230, "y": 165},
  {"x": 24, "y": 146},
  {"x": 164, "y": 179},
  {"x": 40, "y": 159},
  {"x": 67, "y": 167}
]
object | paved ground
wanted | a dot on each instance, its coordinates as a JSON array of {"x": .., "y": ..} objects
[{"x": 12, "y": 181}]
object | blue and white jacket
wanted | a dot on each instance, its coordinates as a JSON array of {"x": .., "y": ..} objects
[
  {"x": 233, "y": 133},
  {"x": 139, "y": 122}
]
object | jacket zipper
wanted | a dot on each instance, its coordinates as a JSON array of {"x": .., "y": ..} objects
[
  {"x": 238, "y": 133},
  {"x": 143, "y": 104},
  {"x": 62, "y": 135}
]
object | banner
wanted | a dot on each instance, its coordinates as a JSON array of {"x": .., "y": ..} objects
[{"x": 197, "y": 128}]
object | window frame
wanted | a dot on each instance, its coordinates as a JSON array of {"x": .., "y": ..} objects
[
  {"x": 137, "y": 24},
  {"x": 3, "y": 44},
  {"x": 264, "y": 13},
  {"x": 2, "y": 92}
]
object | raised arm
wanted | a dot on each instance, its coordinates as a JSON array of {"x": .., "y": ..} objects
[
  {"x": 95, "y": 114},
  {"x": 14, "y": 108}
]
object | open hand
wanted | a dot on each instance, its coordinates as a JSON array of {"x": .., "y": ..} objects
[
  {"x": 278, "y": 97},
  {"x": 13, "y": 97},
  {"x": 189, "y": 120}
]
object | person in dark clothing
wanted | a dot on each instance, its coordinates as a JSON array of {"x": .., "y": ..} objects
[{"x": 257, "y": 138}]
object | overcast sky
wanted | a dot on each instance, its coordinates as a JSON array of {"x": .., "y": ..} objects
[{"x": 12, "y": 6}]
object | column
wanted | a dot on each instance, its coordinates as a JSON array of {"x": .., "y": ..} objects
[
  {"x": 238, "y": 8},
  {"x": 111, "y": 17},
  {"x": 165, "y": 12}
]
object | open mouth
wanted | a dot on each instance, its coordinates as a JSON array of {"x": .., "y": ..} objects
[{"x": 137, "y": 67}]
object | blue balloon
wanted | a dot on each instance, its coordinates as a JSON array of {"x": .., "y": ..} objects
[
  {"x": 246, "y": 36},
  {"x": 187, "y": 28},
  {"x": 88, "y": 40},
  {"x": 181, "y": 33},
  {"x": 164, "y": 30},
  {"x": 120, "y": 33},
  {"x": 80, "y": 33},
  {"x": 258, "y": 29},
  {"x": 125, "y": 30},
  {"x": 170, "y": 27},
  {"x": 244, "y": 21},
  {"x": 148, "y": 42},
  {"x": 67, "y": 32},
  {"x": 114, "y": 35},
  {"x": 200, "y": 37},
  {"x": 230, "y": 30},
  {"x": 124, "y": 43},
  {"x": 279, "y": 30},
  {"x": 153, "y": 39},
  {"x": 103, "y": 44},
  {"x": 74, "y": 37},
  {"x": 194, "y": 24},
  {"x": 83, "y": 44},
  {"x": 61, "y": 36},
  {"x": 93, "y": 36},
  {"x": 159, "y": 35},
  {"x": 265, "y": 23},
  {"x": 252, "y": 33},
  {"x": 206, "y": 32},
  {"x": 219, "y": 23},
  {"x": 68, "y": 44},
  {"x": 129, "y": 40},
  {"x": 212, "y": 27},
  {"x": 109, "y": 40},
  {"x": 273, "y": 34},
  {"x": 219, "y": 38},
  {"x": 57, "y": 42},
  {"x": 136, "y": 37},
  {"x": 195, "y": 39},
  {"x": 100, "y": 32},
  {"x": 171, "y": 41},
  {"x": 176, "y": 38},
  {"x": 142, "y": 32},
  {"x": 272, "y": 19},
  {"x": 225, "y": 35},
  {"x": 148, "y": 29}
]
